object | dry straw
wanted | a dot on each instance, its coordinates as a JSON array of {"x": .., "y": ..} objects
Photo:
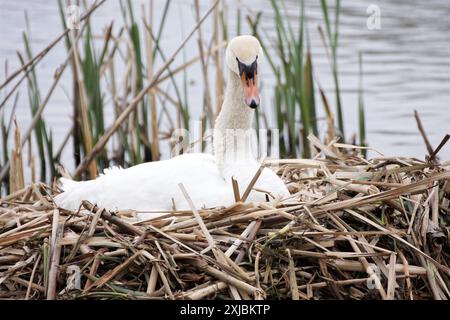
[{"x": 353, "y": 229}]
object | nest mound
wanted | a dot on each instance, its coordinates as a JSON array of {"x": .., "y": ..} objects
[{"x": 353, "y": 229}]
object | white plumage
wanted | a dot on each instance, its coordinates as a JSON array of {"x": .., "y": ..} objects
[{"x": 154, "y": 186}]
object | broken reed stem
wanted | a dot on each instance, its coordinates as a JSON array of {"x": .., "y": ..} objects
[
  {"x": 197, "y": 216},
  {"x": 93, "y": 270},
  {"x": 16, "y": 174},
  {"x": 252, "y": 183},
  {"x": 227, "y": 278},
  {"x": 205, "y": 292},
  {"x": 33, "y": 272},
  {"x": 238, "y": 242},
  {"x": 151, "y": 287},
  {"x": 423, "y": 133},
  {"x": 151, "y": 93},
  {"x": 439, "y": 147},
  {"x": 390, "y": 292},
  {"x": 292, "y": 278},
  {"x": 55, "y": 251},
  {"x": 217, "y": 56},
  {"x": 237, "y": 196},
  {"x": 113, "y": 219},
  {"x": 164, "y": 281},
  {"x": 357, "y": 266}
]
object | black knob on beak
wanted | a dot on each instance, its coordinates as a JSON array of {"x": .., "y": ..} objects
[
  {"x": 248, "y": 74},
  {"x": 253, "y": 104}
]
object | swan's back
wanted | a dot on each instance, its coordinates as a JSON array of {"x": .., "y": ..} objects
[
  {"x": 151, "y": 186},
  {"x": 154, "y": 186}
]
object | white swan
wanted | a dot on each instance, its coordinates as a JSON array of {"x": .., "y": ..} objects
[{"x": 154, "y": 186}]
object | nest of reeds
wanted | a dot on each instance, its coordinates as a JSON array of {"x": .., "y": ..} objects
[{"x": 353, "y": 229}]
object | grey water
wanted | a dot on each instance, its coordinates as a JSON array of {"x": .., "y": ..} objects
[{"x": 405, "y": 46}]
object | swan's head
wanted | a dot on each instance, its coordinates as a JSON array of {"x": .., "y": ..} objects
[{"x": 243, "y": 57}]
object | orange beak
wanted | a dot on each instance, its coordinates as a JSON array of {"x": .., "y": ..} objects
[{"x": 251, "y": 92}]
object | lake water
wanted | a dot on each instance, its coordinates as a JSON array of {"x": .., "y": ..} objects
[{"x": 406, "y": 62}]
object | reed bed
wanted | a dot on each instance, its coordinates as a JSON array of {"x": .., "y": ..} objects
[{"x": 353, "y": 229}]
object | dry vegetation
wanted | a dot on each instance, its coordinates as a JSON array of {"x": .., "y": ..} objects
[{"x": 353, "y": 229}]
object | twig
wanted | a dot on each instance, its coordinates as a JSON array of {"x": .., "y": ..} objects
[{"x": 422, "y": 132}]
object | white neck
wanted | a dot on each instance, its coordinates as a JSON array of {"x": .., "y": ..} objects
[{"x": 235, "y": 118}]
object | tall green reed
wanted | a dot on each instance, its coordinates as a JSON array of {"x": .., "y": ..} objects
[
  {"x": 43, "y": 137},
  {"x": 294, "y": 95},
  {"x": 361, "y": 112},
  {"x": 333, "y": 37}
]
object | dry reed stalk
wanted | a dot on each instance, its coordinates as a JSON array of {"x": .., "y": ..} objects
[
  {"x": 250, "y": 238},
  {"x": 237, "y": 196},
  {"x": 113, "y": 272},
  {"x": 190, "y": 62},
  {"x": 211, "y": 245},
  {"x": 227, "y": 278},
  {"x": 151, "y": 94},
  {"x": 164, "y": 281},
  {"x": 259, "y": 250},
  {"x": 15, "y": 194},
  {"x": 198, "y": 218},
  {"x": 369, "y": 270},
  {"x": 292, "y": 278},
  {"x": 252, "y": 183},
  {"x": 218, "y": 61},
  {"x": 391, "y": 279},
  {"x": 204, "y": 65},
  {"x": 205, "y": 292},
  {"x": 153, "y": 278},
  {"x": 408, "y": 293},
  {"x": 30, "y": 283},
  {"x": 93, "y": 270},
  {"x": 422, "y": 132},
  {"x": 55, "y": 253},
  {"x": 238, "y": 242},
  {"x": 16, "y": 174}
]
